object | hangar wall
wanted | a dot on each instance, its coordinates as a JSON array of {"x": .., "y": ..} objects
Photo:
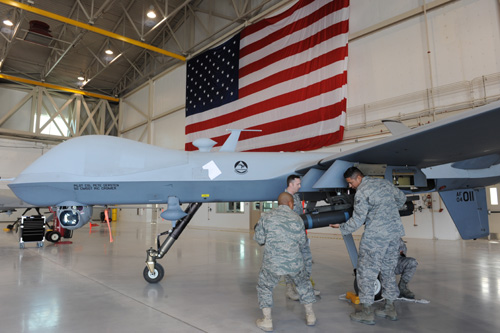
[
  {"x": 451, "y": 44},
  {"x": 16, "y": 156}
]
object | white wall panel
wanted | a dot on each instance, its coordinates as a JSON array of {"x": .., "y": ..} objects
[
  {"x": 17, "y": 155},
  {"x": 136, "y": 134},
  {"x": 170, "y": 91},
  {"x": 388, "y": 63},
  {"x": 208, "y": 217},
  {"x": 139, "y": 100},
  {"x": 169, "y": 131},
  {"x": 366, "y": 13},
  {"x": 465, "y": 39},
  {"x": 20, "y": 119}
]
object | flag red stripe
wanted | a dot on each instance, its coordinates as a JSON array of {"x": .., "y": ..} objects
[
  {"x": 304, "y": 119},
  {"x": 319, "y": 37},
  {"x": 326, "y": 59},
  {"x": 291, "y": 28},
  {"x": 308, "y": 118},
  {"x": 298, "y": 95},
  {"x": 306, "y": 144}
]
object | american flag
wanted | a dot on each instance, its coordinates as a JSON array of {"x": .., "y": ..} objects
[{"x": 285, "y": 75}]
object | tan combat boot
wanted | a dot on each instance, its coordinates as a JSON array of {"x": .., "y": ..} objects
[
  {"x": 365, "y": 316},
  {"x": 266, "y": 323},
  {"x": 310, "y": 316},
  {"x": 388, "y": 311}
]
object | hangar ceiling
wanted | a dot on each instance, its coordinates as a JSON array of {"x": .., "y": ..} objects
[{"x": 57, "y": 41}]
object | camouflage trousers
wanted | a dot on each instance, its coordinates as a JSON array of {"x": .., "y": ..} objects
[
  {"x": 377, "y": 256},
  {"x": 268, "y": 280},
  {"x": 407, "y": 267},
  {"x": 306, "y": 253}
]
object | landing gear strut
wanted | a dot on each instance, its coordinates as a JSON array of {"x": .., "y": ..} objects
[{"x": 154, "y": 272}]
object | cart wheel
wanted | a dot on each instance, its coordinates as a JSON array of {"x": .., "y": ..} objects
[
  {"x": 53, "y": 236},
  {"x": 157, "y": 274}
]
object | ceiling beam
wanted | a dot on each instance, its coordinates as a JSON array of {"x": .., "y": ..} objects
[
  {"x": 53, "y": 86},
  {"x": 91, "y": 28}
]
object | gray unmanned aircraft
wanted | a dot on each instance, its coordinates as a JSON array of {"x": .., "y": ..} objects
[{"x": 457, "y": 157}]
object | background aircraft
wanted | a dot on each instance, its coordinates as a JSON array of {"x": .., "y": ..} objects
[
  {"x": 456, "y": 156},
  {"x": 9, "y": 204}
]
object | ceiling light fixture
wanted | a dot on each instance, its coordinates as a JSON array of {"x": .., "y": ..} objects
[
  {"x": 108, "y": 49},
  {"x": 81, "y": 77},
  {"x": 8, "y": 20},
  {"x": 151, "y": 13}
]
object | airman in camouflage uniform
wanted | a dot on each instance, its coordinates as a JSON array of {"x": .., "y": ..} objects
[
  {"x": 294, "y": 183},
  {"x": 376, "y": 204},
  {"x": 407, "y": 267},
  {"x": 282, "y": 233}
]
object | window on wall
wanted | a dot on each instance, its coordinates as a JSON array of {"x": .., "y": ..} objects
[
  {"x": 493, "y": 196},
  {"x": 56, "y": 126},
  {"x": 231, "y": 207},
  {"x": 268, "y": 205}
]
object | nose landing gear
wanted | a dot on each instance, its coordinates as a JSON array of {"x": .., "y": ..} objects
[{"x": 154, "y": 272}]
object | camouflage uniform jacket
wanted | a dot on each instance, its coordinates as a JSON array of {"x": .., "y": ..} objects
[
  {"x": 282, "y": 232},
  {"x": 297, "y": 203},
  {"x": 376, "y": 203}
]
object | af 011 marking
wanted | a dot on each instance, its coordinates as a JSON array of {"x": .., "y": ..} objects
[{"x": 465, "y": 196}]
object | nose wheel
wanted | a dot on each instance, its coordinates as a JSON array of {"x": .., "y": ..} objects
[{"x": 155, "y": 276}]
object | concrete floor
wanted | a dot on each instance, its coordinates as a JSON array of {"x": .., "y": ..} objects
[{"x": 93, "y": 285}]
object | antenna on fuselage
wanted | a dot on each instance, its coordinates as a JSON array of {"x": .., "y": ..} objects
[{"x": 232, "y": 140}]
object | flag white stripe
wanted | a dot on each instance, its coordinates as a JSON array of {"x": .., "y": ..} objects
[
  {"x": 296, "y": 59},
  {"x": 293, "y": 38},
  {"x": 295, "y": 109},
  {"x": 297, "y": 15},
  {"x": 291, "y": 135},
  {"x": 276, "y": 90}
]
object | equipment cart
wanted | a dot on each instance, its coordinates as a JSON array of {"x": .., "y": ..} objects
[{"x": 32, "y": 229}]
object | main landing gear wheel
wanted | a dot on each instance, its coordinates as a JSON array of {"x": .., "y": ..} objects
[
  {"x": 378, "y": 288},
  {"x": 157, "y": 274},
  {"x": 53, "y": 236}
]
